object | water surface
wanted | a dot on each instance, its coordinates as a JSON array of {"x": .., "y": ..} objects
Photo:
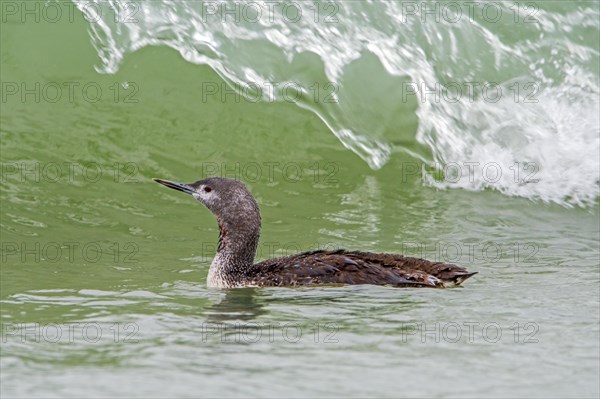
[{"x": 103, "y": 277}]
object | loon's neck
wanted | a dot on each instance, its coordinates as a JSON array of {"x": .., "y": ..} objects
[{"x": 235, "y": 254}]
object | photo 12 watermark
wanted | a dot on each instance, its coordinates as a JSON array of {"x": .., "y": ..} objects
[
  {"x": 289, "y": 332},
  {"x": 32, "y": 252},
  {"x": 472, "y": 91},
  {"x": 61, "y": 11},
  {"x": 68, "y": 92},
  {"x": 271, "y": 91},
  {"x": 456, "y": 12},
  {"x": 261, "y": 12},
  {"x": 452, "y": 172},
  {"x": 70, "y": 332},
  {"x": 273, "y": 171},
  {"x": 68, "y": 172},
  {"x": 489, "y": 252},
  {"x": 469, "y": 332}
]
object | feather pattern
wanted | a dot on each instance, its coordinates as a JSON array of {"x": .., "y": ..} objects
[{"x": 354, "y": 267}]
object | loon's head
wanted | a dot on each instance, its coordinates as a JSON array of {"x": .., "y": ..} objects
[{"x": 228, "y": 199}]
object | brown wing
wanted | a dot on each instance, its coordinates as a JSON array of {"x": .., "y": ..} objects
[{"x": 353, "y": 267}]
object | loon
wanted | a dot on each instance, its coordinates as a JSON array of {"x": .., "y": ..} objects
[{"x": 239, "y": 222}]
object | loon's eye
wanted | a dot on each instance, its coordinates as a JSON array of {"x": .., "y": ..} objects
[{"x": 207, "y": 189}]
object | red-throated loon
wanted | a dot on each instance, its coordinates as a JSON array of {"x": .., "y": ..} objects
[{"x": 239, "y": 222}]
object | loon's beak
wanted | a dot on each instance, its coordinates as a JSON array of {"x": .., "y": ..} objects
[{"x": 186, "y": 188}]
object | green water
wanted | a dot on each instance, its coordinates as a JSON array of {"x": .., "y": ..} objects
[{"x": 103, "y": 276}]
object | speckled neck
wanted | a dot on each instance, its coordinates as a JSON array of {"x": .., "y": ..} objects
[{"x": 238, "y": 240}]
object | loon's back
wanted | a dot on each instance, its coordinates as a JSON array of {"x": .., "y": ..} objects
[{"x": 355, "y": 267}]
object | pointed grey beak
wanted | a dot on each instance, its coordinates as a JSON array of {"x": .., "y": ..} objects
[{"x": 176, "y": 186}]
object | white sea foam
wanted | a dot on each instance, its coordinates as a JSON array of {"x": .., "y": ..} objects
[{"x": 542, "y": 130}]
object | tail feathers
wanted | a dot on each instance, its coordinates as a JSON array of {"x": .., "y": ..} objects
[{"x": 457, "y": 279}]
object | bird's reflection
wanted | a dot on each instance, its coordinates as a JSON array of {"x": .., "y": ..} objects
[{"x": 238, "y": 304}]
